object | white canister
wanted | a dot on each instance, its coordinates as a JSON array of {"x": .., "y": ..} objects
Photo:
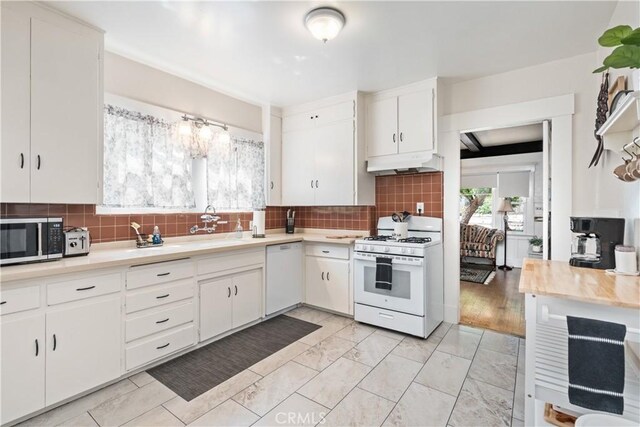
[
  {"x": 258, "y": 225},
  {"x": 626, "y": 260},
  {"x": 400, "y": 230}
]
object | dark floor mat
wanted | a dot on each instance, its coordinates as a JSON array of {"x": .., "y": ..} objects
[{"x": 201, "y": 370}]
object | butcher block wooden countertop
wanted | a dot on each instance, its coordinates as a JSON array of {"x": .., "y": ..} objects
[{"x": 559, "y": 279}]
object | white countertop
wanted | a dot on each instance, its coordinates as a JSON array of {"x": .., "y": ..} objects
[{"x": 119, "y": 254}]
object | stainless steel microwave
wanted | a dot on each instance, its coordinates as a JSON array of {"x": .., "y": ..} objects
[{"x": 30, "y": 240}]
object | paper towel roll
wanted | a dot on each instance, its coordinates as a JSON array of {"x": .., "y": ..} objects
[{"x": 258, "y": 229}]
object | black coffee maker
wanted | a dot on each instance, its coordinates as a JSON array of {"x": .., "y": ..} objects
[{"x": 595, "y": 240}]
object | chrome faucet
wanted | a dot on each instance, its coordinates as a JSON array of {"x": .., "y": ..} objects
[{"x": 208, "y": 218}]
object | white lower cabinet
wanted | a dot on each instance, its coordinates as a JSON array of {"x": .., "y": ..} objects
[
  {"x": 328, "y": 284},
  {"x": 22, "y": 367},
  {"x": 230, "y": 302},
  {"x": 83, "y": 348}
]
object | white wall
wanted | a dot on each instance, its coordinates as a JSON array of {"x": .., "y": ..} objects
[{"x": 140, "y": 82}]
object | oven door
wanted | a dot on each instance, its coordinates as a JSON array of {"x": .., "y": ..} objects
[
  {"x": 407, "y": 284},
  {"x": 20, "y": 240}
]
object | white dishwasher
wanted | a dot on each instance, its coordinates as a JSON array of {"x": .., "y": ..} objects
[{"x": 284, "y": 276}]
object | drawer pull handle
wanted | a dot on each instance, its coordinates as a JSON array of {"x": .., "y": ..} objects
[
  {"x": 322, "y": 275},
  {"x": 55, "y": 342},
  {"x": 162, "y": 296},
  {"x": 326, "y": 252},
  {"x": 327, "y": 275},
  {"x": 37, "y": 348},
  {"x": 229, "y": 289},
  {"x": 387, "y": 316},
  {"x": 163, "y": 346},
  {"x": 236, "y": 290},
  {"x": 85, "y": 289},
  {"x": 162, "y": 321},
  {"x": 2, "y": 302},
  {"x": 163, "y": 274}
]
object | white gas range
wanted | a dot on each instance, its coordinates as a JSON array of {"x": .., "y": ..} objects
[{"x": 415, "y": 302}]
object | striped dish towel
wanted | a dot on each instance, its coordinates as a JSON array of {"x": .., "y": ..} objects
[
  {"x": 384, "y": 273},
  {"x": 596, "y": 364}
]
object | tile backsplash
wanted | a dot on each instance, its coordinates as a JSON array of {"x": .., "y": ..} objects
[{"x": 393, "y": 194}]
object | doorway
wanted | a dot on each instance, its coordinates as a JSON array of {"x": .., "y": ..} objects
[{"x": 501, "y": 221}]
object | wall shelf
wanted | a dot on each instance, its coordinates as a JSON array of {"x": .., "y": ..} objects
[{"x": 625, "y": 118}]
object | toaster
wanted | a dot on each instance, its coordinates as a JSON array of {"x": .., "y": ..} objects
[{"x": 76, "y": 242}]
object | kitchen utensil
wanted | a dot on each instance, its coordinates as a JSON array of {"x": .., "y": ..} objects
[
  {"x": 136, "y": 227},
  {"x": 395, "y": 217},
  {"x": 405, "y": 216}
]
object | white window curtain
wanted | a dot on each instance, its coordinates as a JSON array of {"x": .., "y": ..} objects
[
  {"x": 513, "y": 184},
  {"x": 236, "y": 174},
  {"x": 489, "y": 180},
  {"x": 145, "y": 163}
]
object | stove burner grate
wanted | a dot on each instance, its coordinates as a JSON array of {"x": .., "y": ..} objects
[{"x": 418, "y": 240}]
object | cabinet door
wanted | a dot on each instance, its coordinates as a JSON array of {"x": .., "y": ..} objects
[
  {"x": 247, "y": 297},
  {"x": 415, "y": 122},
  {"x": 65, "y": 115},
  {"x": 15, "y": 99},
  {"x": 382, "y": 127},
  {"x": 274, "y": 183},
  {"x": 327, "y": 283},
  {"x": 22, "y": 367},
  {"x": 83, "y": 348},
  {"x": 298, "y": 168},
  {"x": 335, "y": 164},
  {"x": 215, "y": 307}
]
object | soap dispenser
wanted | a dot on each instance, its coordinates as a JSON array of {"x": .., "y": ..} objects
[{"x": 239, "y": 229}]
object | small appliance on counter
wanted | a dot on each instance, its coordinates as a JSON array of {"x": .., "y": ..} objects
[
  {"x": 25, "y": 240},
  {"x": 258, "y": 224},
  {"x": 76, "y": 242},
  {"x": 594, "y": 241},
  {"x": 290, "y": 226},
  {"x": 626, "y": 261}
]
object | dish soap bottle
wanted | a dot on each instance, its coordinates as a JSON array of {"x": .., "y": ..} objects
[
  {"x": 157, "y": 238},
  {"x": 239, "y": 229}
]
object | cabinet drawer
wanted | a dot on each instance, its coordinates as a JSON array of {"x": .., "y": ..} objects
[
  {"x": 159, "y": 295},
  {"x": 154, "y": 274},
  {"x": 19, "y": 299},
  {"x": 230, "y": 262},
  {"x": 141, "y": 354},
  {"x": 158, "y": 321},
  {"x": 328, "y": 251},
  {"x": 389, "y": 319},
  {"x": 86, "y": 287}
]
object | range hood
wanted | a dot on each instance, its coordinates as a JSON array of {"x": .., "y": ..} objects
[{"x": 396, "y": 164}]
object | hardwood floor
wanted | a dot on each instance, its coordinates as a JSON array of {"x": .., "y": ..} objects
[{"x": 497, "y": 306}]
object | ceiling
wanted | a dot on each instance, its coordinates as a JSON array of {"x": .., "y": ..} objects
[
  {"x": 511, "y": 135},
  {"x": 261, "y": 51}
]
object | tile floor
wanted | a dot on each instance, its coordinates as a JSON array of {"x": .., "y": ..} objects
[{"x": 343, "y": 374}]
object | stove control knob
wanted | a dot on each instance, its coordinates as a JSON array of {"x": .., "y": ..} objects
[
  {"x": 403, "y": 250},
  {"x": 387, "y": 249}
]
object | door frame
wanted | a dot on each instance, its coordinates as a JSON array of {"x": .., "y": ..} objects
[{"x": 559, "y": 112}]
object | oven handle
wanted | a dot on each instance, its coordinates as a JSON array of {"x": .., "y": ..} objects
[{"x": 39, "y": 239}]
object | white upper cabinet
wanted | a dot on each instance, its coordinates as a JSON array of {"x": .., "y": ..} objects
[
  {"x": 50, "y": 150},
  {"x": 16, "y": 108},
  {"x": 274, "y": 158},
  {"x": 323, "y": 160},
  {"x": 382, "y": 130},
  {"x": 402, "y": 120},
  {"x": 415, "y": 122}
]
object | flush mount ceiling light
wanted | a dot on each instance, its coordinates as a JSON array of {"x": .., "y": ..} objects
[{"x": 325, "y": 23}]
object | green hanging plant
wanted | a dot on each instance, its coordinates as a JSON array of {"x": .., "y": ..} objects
[{"x": 626, "y": 54}]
